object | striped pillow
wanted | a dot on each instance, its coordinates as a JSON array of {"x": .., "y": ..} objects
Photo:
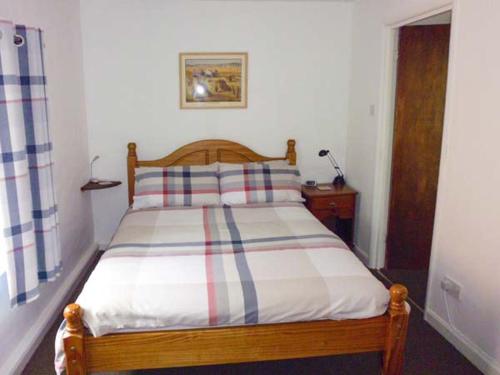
[
  {"x": 176, "y": 186},
  {"x": 258, "y": 183}
]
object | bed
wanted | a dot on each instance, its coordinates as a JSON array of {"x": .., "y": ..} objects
[{"x": 161, "y": 297}]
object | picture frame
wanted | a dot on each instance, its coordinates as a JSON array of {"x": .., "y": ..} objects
[{"x": 213, "y": 80}]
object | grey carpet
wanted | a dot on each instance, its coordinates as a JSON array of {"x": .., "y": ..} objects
[
  {"x": 414, "y": 280},
  {"x": 427, "y": 353}
]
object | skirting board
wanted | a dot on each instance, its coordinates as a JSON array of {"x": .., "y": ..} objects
[
  {"x": 361, "y": 254},
  {"x": 25, "y": 349},
  {"x": 102, "y": 246},
  {"x": 485, "y": 363}
]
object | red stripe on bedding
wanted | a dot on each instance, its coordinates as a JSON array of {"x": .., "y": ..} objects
[
  {"x": 247, "y": 189},
  {"x": 212, "y": 302},
  {"x": 165, "y": 189},
  {"x": 180, "y": 191}
]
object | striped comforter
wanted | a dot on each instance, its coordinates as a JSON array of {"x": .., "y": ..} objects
[{"x": 187, "y": 267}]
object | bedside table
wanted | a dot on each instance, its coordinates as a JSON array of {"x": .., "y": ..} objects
[{"x": 336, "y": 208}]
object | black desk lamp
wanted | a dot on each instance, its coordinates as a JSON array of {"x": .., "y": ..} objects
[{"x": 339, "y": 180}]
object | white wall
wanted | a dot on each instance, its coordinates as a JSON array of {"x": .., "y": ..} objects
[
  {"x": 466, "y": 239},
  {"x": 60, "y": 20},
  {"x": 299, "y": 68}
]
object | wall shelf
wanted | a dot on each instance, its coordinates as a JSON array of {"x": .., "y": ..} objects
[{"x": 99, "y": 185}]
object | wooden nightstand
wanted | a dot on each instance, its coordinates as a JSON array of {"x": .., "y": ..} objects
[{"x": 336, "y": 208}]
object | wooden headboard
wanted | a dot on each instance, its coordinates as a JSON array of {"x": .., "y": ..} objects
[{"x": 201, "y": 153}]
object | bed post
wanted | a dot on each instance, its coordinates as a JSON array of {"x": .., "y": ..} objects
[
  {"x": 396, "y": 331},
  {"x": 131, "y": 164},
  {"x": 73, "y": 341},
  {"x": 290, "y": 152}
]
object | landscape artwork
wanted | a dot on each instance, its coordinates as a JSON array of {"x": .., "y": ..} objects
[{"x": 213, "y": 80}]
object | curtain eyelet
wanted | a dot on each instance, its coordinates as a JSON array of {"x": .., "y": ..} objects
[{"x": 18, "y": 40}]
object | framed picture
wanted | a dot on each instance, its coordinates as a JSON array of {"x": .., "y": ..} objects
[{"x": 213, "y": 80}]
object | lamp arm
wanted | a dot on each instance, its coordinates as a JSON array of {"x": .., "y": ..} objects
[
  {"x": 335, "y": 164},
  {"x": 332, "y": 162}
]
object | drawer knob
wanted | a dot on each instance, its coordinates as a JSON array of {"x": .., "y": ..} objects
[{"x": 333, "y": 204}]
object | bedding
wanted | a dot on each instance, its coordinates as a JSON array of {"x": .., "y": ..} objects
[
  {"x": 176, "y": 186},
  {"x": 259, "y": 183},
  {"x": 191, "y": 267}
]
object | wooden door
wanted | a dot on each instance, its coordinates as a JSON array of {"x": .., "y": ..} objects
[{"x": 418, "y": 127}]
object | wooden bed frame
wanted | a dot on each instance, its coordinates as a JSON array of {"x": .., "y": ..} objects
[{"x": 209, "y": 346}]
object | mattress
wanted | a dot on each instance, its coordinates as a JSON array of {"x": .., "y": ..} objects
[{"x": 192, "y": 267}]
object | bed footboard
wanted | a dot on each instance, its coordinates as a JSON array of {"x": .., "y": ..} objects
[
  {"x": 195, "y": 347},
  {"x": 73, "y": 341},
  {"x": 397, "y": 329}
]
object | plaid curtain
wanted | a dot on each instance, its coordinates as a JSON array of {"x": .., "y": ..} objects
[{"x": 28, "y": 213}]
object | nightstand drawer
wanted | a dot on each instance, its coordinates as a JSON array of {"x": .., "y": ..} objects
[
  {"x": 339, "y": 201},
  {"x": 341, "y": 213}
]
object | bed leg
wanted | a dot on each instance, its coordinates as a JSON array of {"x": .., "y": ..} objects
[
  {"x": 396, "y": 332},
  {"x": 73, "y": 341}
]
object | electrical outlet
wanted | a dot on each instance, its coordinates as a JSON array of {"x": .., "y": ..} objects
[{"x": 451, "y": 287}]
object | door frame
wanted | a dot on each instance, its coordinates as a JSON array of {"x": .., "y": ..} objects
[{"x": 385, "y": 129}]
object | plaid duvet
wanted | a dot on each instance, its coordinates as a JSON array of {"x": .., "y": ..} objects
[
  {"x": 176, "y": 186},
  {"x": 190, "y": 267},
  {"x": 258, "y": 183}
]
